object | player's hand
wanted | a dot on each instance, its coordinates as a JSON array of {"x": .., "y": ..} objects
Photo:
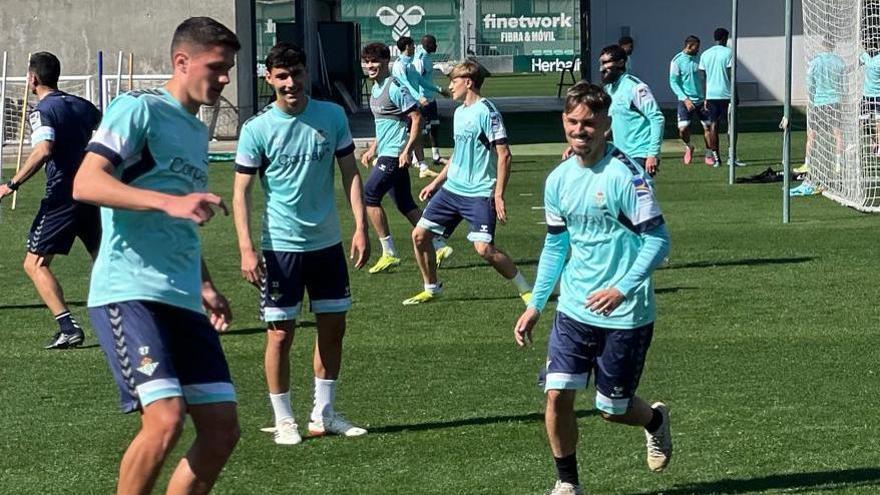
[
  {"x": 404, "y": 160},
  {"x": 252, "y": 268},
  {"x": 522, "y": 331},
  {"x": 651, "y": 165},
  {"x": 423, "y": 101},
  {"x": 604, "y": 301},
  {"x": 689, "y": 104},
  {"x": 360, "y": 248},
  {"x": 198, "y": 207},
  {"x": 500, "y": 209},
  {"x": 427, "y": 191},
  {"x": 567, "y": 153},
  {"x": 5, "y": 191},
  {"x": 218, "y": 308},
  {"x": 367, "y": 157}
]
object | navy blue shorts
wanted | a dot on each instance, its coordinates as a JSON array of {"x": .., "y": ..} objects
[
  {"x": 388, "y": 177},
  {"x": 617, "y": 358},
  {"x": 156, "y": 351},
  {"x": 446, "y": 210},
  {"x": 869, "y": 108},
  {"x": 716, "y": 111},
  {"x": 685, "y": 116},
  {"x": 430, "y": 115},
  {"x": 288, "y": 275},
  {"x": 56, "y": 227}
]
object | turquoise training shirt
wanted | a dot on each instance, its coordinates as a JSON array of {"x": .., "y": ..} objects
[
  {"x": 824, "y": 78},
  {"x": 294, "y": 156},
  {"x": 478, "y": 128},
  {"x": 153, "y": 143},
  {"x": 716, "y": 61},
  {"x": 424, "y": 67},
  {"x": 636, "y": 119},
  {"x": 684, "y": 77},
  {"x": 390, "y": 103},
  {"x": 871, "y": 86},
  {"x": 403, "y": 70}
]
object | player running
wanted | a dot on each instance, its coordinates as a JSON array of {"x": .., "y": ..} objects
[
  {"x": 600, "y": 211},
  {"x": 685, "y": 81},
  {"x": 290, "y": 146},
  {"x": 61, "y": 126}
]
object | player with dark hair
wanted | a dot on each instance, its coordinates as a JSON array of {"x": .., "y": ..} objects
[
  {"x": 61, "y": 126},
  {"x": 147, "y": 166},
  {"x": 628, "y": 45},
  {"x": 716, "y": 62},
  {"x": 687, "y": 85},
  {"x": 605, "y": 236},
  {"x": 404, "y": 71},
  {"x": 290, "y": 148},
  {"x": 424, "y": 67}
]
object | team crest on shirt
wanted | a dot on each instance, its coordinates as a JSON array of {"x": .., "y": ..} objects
[
  {"x": 642, "y": 188},
  {"x": 148, "y": 366},
  {"x": 320, "y": 136},
  {"x": 600, "y": 199}
]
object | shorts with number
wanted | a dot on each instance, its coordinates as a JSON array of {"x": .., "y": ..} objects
[
  {"x": 447, "y": 209},
  {"x": 716, "y": 111},
  {"x": 685, "y": 116},
  {"x": 388, "y": 177},
  {"x": 57, "y": 225},
  {"x": 869, "y": 109},
  {"x": 430, "y": 115},
  {"x": 323, "y": 273},
  {"x": 158, "y": 351},
  {"x": 615, "y": 356}
]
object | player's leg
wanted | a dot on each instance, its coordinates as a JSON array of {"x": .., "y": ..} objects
[
  {"x": 401, "y": 194},
  {"x": 432, "y": 117},
  {"x": 381, "y": 181},
  {"x": 161, "y": 425},
  {"x": 571, "y": 354},
  {"x": 684, "y": 131},
  {"x": 217, "y": 433},
  {"x": 618, "y": 370},
  {"x": 440, "y": 218},
  {"x": 282, "y": 295},
  {"x": 89, "y": 228},
  {"x": 481, "y": 217}
]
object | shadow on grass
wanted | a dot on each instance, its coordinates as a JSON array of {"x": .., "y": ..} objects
[
  {"x": 743, "y": 262},
  {"x": 791, "y": 483},
  {"x": 672, "y": 290},
  {"x": 482, "y": 264},
  {"x": 79, "y": 304},
  {"x": 457, "y": 423},
  {"x": 256, "y": 330}
]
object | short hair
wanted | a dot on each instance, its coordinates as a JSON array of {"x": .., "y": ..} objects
[
  {"x": 403, "y": 42},
  {"x": 471, "y": 70},
  {"x": 589, "y": 94},
  {"x": 46, "y": 67},
  {"x": 428, "y": 39},
  {"x": 376, "y": 51},
  {"x": 721, "y": 34},
  {"x": 625, "y": 40},
  {"x": 691, "y": 39},
  {"x": 285, "y": 55},
  {"x": 204, "y": 32},
  {"x": 617, "y": 53}
]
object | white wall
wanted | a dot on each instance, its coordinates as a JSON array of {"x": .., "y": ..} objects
[{"x": 659, "y": 28}]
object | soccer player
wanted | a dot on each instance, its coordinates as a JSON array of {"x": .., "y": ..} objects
[
  {"x": 147, "y": 166},
  {"x": 403, "y": 71},
  {"x": 716, "y": 62},
  {"x": 870, "y": 104},
  {"x": 61, "y": 126},
  {"x": 636, "y": 119},
  {"x": 824, "y": 87},
  {"x": 424, "y": 67},
  {"x": 470, "y": 187},
  {"x": 292, "y": 145},
  {"x": 685, "y": 81},
  {"x": 628, "y": 45},
  {"x": 398, "y": 126},
  {"x": 602, "y": 212}
]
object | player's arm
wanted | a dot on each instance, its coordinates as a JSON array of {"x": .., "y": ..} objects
[
  {"x": 435, "y": 184},
  {"x": 644, "y": 101},
  {"x": 218, "y": 307},
  {"x": 369, "y": 154},
  {"x": 40, "y": 154},
  {"x": 248, "y": 161},
  {"x": 352, "y": 185},
  {"x": 675, "y": 81},
  {"x": 415, "y": 133},
  {"x": 550, "y": 266},
  {"x": 502, "y": 177}
]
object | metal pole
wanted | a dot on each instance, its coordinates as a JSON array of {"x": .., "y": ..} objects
[
  {"x": 586, "y": 39},
  {"x": 786, "y": 120},
  {"x": 731, "y": 124},
  {"x": 2, "y": 113},
  {"x": 119, "y": 74},
  {"x": 101, "y": 81}
]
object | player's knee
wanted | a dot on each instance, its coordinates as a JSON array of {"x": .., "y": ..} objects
[
  {"x": 32, "y": 264},
  {"x": 421, "y": 236},
  {"x": 165, "y": 425},
  {"x": 223, "y": 436},
  {"x": 485, "y": 250},
  {"x": 559, "y": 401},
  {"x": 279, "y": 336}
]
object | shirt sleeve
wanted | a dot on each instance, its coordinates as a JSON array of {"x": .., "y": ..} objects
[
  {"x": 641, "y": 213},
  {"x": 344, "y": 141},
  {"x": 122, "y": 133},
  {"x": 401, "y": 97},
  {"x": 42, "y": 125},
  {"x": 675, "y": 80},
  {"x": 644, "y": 101},
  {"x": 555, "y": 251},
  {"x": 249, "y": 156},
  {"x": 493, "y": 127},
  {"x": 400, "y": 72}
]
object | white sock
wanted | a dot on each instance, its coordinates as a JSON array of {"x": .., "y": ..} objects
[
  {"x": 439, "y": 242},
  {"x": 325, "y": 393},
  {"x": 388, "y": 246},
  {"x": 435, "y": 153},
  {"x": 432, "y": 288},
  {"x": 423, "y": 166},
  {"x": 281, "y": 406},
  {"x": 520, "y": 282}
]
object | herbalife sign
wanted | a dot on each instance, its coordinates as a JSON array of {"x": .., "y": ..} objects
[{"x": 387, "y": 21}]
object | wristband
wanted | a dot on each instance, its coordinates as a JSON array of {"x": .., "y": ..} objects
[{"x": 12, "y": 185}]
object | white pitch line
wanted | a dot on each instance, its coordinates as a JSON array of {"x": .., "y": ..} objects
[
  {"x": 537, "y": 207},
  {"x": 526, "y": 194},
  {"x": 541, "y": 223}
]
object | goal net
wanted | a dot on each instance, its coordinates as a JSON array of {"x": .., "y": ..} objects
[
  {"x": 842, "y": 57},
  {"x": 14, "y": 104}
]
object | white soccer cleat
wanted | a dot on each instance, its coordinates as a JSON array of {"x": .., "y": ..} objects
[
  {"x": 335, "y": 425},
  {"x": 286, "y": 432},
  {"x": 659, "y": 443},
  {"x": 566, "y": 489}
]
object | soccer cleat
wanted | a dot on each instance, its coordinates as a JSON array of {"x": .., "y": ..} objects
[
  {"x": 386, "y": 262},
  {"x": 421, "y": 298},
  {"x": 427, "y": 173},
  {"x": 688, "y": 154},
  {"x": 659, "y": 443},
  {"x": 286, "y": 432},
  {"x": 526, "y": 297},
  {"x": 443, "y": 254},
  {"x": 63, "y": 340},
  {"x": 562, "y": 488},
  {"x": 335, "y": 425},
  {"x": 803, "y": 169}
]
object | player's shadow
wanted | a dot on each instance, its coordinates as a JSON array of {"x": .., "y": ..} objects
[
  {"x": 458, "y": 423},
  {"x": 483, "y": 264},
  {"x": 78, "y": 304},
  {"x": 672, "y": 290},
  {"x": 256, "y": 330},
  {"x": 790, "y": 483},
  {"x": 742, "y": 262}
]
